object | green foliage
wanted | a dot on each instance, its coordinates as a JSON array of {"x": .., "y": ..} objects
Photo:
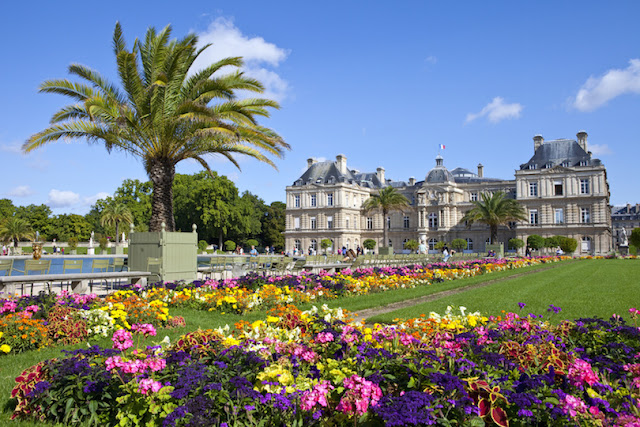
[
  {"x": 535, "y": 242},
  {"x": 273, "y": 225},
  {"x": 6, "y": 209},
  {"x": 63, "y": 226},
  {"x": 38, "y": 216},
  {"x": 369, "y": 244},
  {"x": 202, "y": 245},
  {"x": 411, "y": 245},
  {"x": 568, "y": 244},
  {"x": 163, "y": 112},
  {"x": 516, "y": 243},
  {"x": 230, "y": 245},
  {"x": 212, "y": 203},
  {"x": 494, "y": 210},
  {"x": 252, "y": 242},
  {"x": 103, "y": 241},
  {"x": 552, "y": 242},
  {"x": 14, "y": 229},
  {"x": 459, "y": 244},
  {"x": 439, "y": 245},
  {"x": 114, "y": 214},
  {"x": 634, "y": 238},
  {"x": 144, "y": 410},
  {"x": 72, "y": 242},
  {"x": 326, "y": 243},
  {"x": 386, "y": 200}
]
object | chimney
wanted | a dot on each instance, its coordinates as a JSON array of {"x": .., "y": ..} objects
[
  {"x": 538, "y": 140},
  {"x": 480, "y": 170},
  {"x": 412, "y": 181},
  {"x": 628, "y": 208},
  {"x": 380, "y": 174},
  {"x": 310, "y": 161},
  {"x": 582, "y": 139},
  {"x": 341, "y": 160}
]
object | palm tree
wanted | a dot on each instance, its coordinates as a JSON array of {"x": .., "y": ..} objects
[
  {"x": 15, "y": 229},
  {"x": 165, "y": 112},
  {"x": 386, "y": 200},
  {"x": 494, "y": 210},
  {"x": 115, "y": 213}
]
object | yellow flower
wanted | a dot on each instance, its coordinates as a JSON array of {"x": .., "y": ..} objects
[
  {"x": 5, "y": 348},
  {"x": 273, "y": 319},
  {"x": 229, "y": 341}
]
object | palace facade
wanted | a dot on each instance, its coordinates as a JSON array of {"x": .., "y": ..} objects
[{"x": 562, "y": 188}]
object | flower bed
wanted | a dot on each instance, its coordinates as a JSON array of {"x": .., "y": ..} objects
[
  {"x": 319, "y": 368},
  {"x": 29, "y": 323}
]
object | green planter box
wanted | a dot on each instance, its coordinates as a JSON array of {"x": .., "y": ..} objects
[
  {"x": 498, "y": 248},
  {"x": 178, "y": 252}
]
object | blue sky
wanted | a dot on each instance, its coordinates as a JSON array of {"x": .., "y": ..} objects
[{"x": 383, "y": 83}]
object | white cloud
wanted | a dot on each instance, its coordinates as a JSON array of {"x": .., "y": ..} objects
[
  {"x": 21, "y": 191},
  {"x": 228, "y": 41},
  {"x": 496, "y": 111},
  {"x": 599, "y": 149},
  {"x": 93, "y": 199},
  {"x": 62, "y": 199},
  {"x": 14, "y": 148},
  {"x": 597, "y": 91},
  {"x": 431, "y": 59}
]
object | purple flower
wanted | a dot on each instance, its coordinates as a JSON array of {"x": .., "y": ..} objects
[{"x": 522, "y": 305}]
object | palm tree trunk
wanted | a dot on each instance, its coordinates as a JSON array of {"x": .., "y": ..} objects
[
  {"x": 494, "y": 233},
  {"x": 161, "y": 172},
  {"x": 385, "y": 231},
  {"x": 117, "y": 233}
]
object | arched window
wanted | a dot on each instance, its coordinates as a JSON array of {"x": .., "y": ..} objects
[
  {"x": 432, "y": 244},
  {"x": 298, "y": 245},
  {"x": 469, "y": 244},
  {"x": 585, "y": 244},
  {"x": 314, "y": 244}
]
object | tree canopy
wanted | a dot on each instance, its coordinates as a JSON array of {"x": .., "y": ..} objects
[
  {"x": 494, "y": 210},
  {"x": 387, "y": 200},
  {"x": 164, "y": 111}
]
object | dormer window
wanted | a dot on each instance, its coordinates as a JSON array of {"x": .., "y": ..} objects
[
  {"x": 565, "y": 164},
  {"x": 533, "y": 166},
  {"x": 584, "y": 163},
  {"x": 548, "y": 165}
]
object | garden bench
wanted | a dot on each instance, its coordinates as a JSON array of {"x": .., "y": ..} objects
[{"x": 80, "y": 282}]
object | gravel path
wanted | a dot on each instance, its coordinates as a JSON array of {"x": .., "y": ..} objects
[{"x": 370, "y": 312}]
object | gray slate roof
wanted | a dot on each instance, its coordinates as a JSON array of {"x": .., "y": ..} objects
[
  {"x": 556, "y": 152},
  {"x": 328, "y": 173}
]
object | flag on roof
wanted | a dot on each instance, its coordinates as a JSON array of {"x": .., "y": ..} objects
[{"x": 442, "y": 146}]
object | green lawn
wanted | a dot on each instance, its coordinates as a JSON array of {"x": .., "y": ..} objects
[{"x": 586, "y": 288}]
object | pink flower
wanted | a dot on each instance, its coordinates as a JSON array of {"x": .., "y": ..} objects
[
  {"x": 324, "y": 337},
  {"x": 156, "y": 364},
  {"x": 148, "y": 384},
  {"x": 145, "y": 329},
  {"x": 573, "y": 405},
  {"x": 122, "y": 339},
  {"x": 581, "y": 371},
  {"x": 316, "y": 396},
  {"x": 360, "y": 395}
]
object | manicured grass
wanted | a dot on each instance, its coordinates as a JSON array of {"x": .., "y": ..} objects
[
  {"x": 587, "y": 288},
  {"x": 362, "y": 302}
]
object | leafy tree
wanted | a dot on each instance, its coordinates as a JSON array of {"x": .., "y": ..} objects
[
  {"x": 568, "y": 244},
  {"x": 459, "y": 244},
  {"x": 64, "y": 226},
  {"x": 411, "y": 245},
  {"x": 326, "y": 244},
  {"x": 439, "y": 245},
  {"x": 136, "y": 196},
  {"x": 634, "y": 238},
  {"x": 14, "y": 229},
  {"x": 213, "y": 204},
  {"x": 494, "y": 210},
  {"x": 230, "y": 245},
  {"x": 369, "y": 244},
  {"x": 535, "y": 242},
  {"x": 6, "y": 209},
  {"x": 552, "y": 242},
  {"x": 73, "y": 243},
  {"x": 516, "y": 243},
  {"x": 165, "y": 112},
  {"x": 386, "y": 200},
  {"x": 202, "y": 245},
  {"x": 273, "y": 225},
  {"x": 37, "y": 216},
  {"x": 114, "y": 214}
]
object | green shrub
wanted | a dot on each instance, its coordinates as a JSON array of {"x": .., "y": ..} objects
[
  {"x": 230, "y": 245},
  {"x": 459, "y": 244},
  {"x": 369, "y": 244},
  {"x": 568, "y": 244},
  {"x": 103, "y": 243},
  {"x": 253, "y": 242},
  {"x": 439, "y": 245},
  {"x": 535, "y": 242},
  {"x": 202, "y": 245},
  {"x": 73, "y": 243},
  {"x": 411, "y": 245},
  {"x": 516, "y": 243}
]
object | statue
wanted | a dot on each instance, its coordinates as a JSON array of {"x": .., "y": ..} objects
[
  {"x": 624, "y": 240},
  {"x": 91, "y": 239}
]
